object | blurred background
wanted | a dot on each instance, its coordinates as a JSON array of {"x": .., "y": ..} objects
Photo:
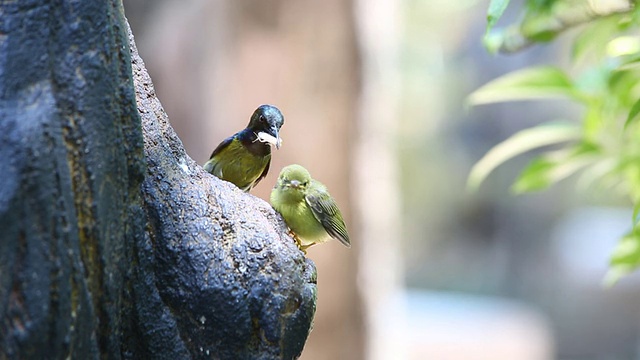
[{"x": 373, "y": 94}]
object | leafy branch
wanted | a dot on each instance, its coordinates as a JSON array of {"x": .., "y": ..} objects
[
  {"x": 602, "y": 145},
  {"x": 544, "y": 20}
]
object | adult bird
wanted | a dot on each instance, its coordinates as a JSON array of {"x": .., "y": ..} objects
[
  {"x": 308, "y": 208},
  {"x": 244, "y": 158}
]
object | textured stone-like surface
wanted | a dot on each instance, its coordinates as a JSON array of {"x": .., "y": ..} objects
[
  {"x": 106, "y": 250},
  {"x": 226, "y": 281},
  {"x": 72, "y": 164}
]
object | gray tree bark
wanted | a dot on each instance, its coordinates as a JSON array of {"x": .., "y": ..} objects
[
  {"x": 114, "y": 243},
  {"x": 213, "y": 60}
]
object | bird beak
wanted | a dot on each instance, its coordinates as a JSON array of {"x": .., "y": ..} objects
[
  {"x": 295, "y": 183},
  {"x": 274, "y": 132}
]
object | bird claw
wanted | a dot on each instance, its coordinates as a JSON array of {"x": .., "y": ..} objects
[{"x": 298, "y": 242}]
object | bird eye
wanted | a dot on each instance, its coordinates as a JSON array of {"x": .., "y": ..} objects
[
  {"x": 262, "y": 118},
  {"x": 305, "y": 183}
]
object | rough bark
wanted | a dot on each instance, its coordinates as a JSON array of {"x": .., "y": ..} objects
[
  {"x": 109, "y": 250},
  {"x": 72, "y": 162},
  {"x": 212, "y": 62},
  {"x": 228, "y": 281}
]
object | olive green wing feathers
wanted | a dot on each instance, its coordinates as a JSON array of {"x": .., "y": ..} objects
[
  {"x": 264, "y": 173},
  {"x": 233, "y": 162},
  {"x": 326, "y": 211},
  {"x": 223, "y": 145},
  {"x": 211, "y": 165}
]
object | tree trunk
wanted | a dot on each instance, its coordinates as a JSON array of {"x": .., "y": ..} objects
[
  {"x": 213, "y": 62},
  {"x": 114, "y": 243}
]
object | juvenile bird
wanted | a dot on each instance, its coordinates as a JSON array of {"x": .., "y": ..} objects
[
  {"x": 307, "y": 208},
  {"x": 243, "y": 158}
]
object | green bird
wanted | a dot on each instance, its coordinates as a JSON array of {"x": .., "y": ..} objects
[
  {"x": 308, "y": 208},
  {"x": 244, "y": 158}
]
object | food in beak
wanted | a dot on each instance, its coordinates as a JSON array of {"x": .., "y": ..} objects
[{"x": 270, "y": 139}]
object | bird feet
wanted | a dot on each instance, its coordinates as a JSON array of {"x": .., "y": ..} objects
[{"x": 298, "y": 242}]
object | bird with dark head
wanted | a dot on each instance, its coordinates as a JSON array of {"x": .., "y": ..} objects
[
  {"x": 244, "y": 158},
  {"x": 308, "y": 208}
]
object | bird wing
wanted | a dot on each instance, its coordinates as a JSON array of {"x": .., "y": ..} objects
[
  {"x": 326, "y": 211},
  {"x": 211, "y": 165},
  {"x": 264, "y": 173},
  {"x": 223, "y": 145}
]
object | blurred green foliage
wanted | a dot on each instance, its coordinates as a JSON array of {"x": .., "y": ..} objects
[{"x": 603, "y": 146}]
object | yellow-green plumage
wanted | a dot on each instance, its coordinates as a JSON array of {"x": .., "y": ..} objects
[
  {"x": 238, "y": 165},
  {"x": 308, "y": 208},
  {"x": 243, "y": 158}
]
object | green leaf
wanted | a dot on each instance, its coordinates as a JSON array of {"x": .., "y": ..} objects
[
  {"x": 624, "y": 259},
  {"x": 496, "y": 9},
  {"x": 596, "y": 173},
  {"x": 623, "y": 87},
  {"x": 630, "y": 63},
  {"x": 629, "y": 171},
  {"x": 519, "y": 143},
  {"x": 527, "y": 84},
  {"x": 534, "y": 6},
  {"x": 594, "y": 37},
  {"x": 550, "y": 169},
  {"x": 623, "y": 46},
  {"x": 617, "y": 272},
  {"x": 535, "y": 176},
  {"x": 493, "y": 40},
  {"x": 592, "y": 121},
  {"x": 636, "y": 212},
  {"x": 633, "y": 113}
]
